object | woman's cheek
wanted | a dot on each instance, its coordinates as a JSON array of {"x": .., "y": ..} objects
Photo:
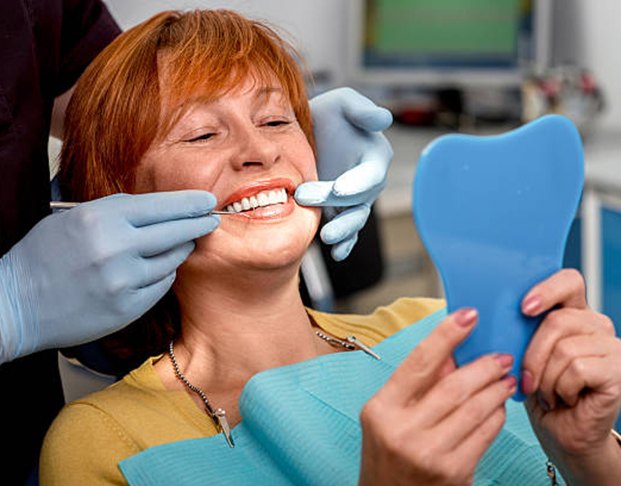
[
  {"x": 316, "y": 217},
  {"x": 311, "y": 170}
]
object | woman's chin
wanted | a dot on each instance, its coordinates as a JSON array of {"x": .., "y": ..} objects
[
  {"x": 273, "y": 257},
  {"x": 219, "y": 254}
]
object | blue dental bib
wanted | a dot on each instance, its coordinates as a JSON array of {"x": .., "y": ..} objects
[
  {"x": 300, "y": 427},
  {"x": 494, "y": 213}
]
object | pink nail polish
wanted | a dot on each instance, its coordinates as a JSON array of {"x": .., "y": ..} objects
[
  {"x": 505, "y": 360},
  {"x": 510, "y": 381},
  {"x": 528, "y": 382},
  {"x": 466, "y": 317},
  {"x": 531, "y": 305}
]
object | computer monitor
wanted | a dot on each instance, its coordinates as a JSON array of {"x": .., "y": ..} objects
[{"x": 447, "y": 43}]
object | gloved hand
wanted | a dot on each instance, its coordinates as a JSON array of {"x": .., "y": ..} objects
[
  {"x": 353, "y": 160},
  {"x": 86, "y": 272}
]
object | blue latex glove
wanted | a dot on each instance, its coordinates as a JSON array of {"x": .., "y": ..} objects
[
  {"x": 353, "y": 160},
  {"x": 86, "y": 272}
]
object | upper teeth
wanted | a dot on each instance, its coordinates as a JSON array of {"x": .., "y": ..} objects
[{"x": 264, "y": 198}]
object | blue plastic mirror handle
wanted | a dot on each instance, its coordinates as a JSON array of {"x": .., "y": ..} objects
[{"x": 494, "y": 213}]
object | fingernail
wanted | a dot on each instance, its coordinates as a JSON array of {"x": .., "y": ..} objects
[
  {"x": 531, "y": 305},
  {"x": 510, "y": 381},
  {"x": 528, "y": 382},
  {"x": 466, "y": 317},
  {"x": 505, "y": 360}
]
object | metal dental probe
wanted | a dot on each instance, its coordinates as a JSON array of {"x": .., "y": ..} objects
[{"x": 69, "y": 205}]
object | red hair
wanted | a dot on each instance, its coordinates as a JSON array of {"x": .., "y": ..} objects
[
  {"x": 115, "y": 112},
  {"x": 123, "y": 103}
]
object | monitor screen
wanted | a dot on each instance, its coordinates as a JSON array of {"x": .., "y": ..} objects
[{"x": 444, "y": 41}]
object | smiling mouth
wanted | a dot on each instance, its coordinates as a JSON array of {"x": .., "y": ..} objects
[{"x": 262, "y": 199}]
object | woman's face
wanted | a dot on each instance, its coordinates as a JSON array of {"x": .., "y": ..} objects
[{"x": 249, "y": 151}]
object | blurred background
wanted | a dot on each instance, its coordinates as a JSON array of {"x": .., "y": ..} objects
[{"x": 476, "y": 66}]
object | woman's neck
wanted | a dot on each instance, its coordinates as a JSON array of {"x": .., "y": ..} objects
[{"x": 235, "y": 329}]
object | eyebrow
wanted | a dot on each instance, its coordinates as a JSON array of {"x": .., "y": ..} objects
[{"x": 270, "y": 89}]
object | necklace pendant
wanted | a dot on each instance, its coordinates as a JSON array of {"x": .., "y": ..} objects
[
  {"x": 224, "y": 426},
  {"x": 551, "y": 473},
  {"x": 363, "y": 347}
]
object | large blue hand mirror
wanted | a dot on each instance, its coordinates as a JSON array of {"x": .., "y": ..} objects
[{"x": 494, "y": 213}]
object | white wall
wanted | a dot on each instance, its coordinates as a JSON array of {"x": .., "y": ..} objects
[
  {"x": 586, "y": 32},
  {"x": 317, "y": 27},
  {"x": 602, "y": 52}
]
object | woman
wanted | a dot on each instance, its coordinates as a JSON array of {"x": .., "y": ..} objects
[{"x": 217, "y": 102}]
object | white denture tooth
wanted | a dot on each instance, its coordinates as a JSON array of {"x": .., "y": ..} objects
[
  {"x": 263, "y": 199},
  {"x": 237, "y": 206},
  {"x": 229, "y": 209},
  {"x": 283, "y": 196},
  {"x": 253, "y": 202},
  {"x": 245, "y": 204},
  {"x": 273, "y": 197}
]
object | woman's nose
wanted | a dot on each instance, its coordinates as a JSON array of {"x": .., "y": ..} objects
[{"x": 252, "y": 148}]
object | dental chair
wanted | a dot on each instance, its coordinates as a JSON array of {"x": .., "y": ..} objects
[{"x": 79, "y": 380}]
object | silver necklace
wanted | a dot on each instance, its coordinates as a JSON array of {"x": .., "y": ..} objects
[
  {"x": 351, "y": 343},
  {"x": 218, "y": 415}
]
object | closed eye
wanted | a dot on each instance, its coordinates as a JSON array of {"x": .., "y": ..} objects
[
  {"x": 198, "y": 138},
  {"x": 277, "y": 123}
]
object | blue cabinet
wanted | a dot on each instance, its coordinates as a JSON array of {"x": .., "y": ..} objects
[
  {"x": 611, "y": 264},
  {"x": 608, "y": 256},
  {"x": 573, "y": 248}
]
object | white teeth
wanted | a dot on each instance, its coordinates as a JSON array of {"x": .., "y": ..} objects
[
  {"x": 277, "y": 197},
  {"x": 265, "y": 198}
]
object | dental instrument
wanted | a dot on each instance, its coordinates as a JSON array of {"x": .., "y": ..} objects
[{"x": 60, "y": 205}]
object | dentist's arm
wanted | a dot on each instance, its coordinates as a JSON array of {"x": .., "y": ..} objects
[
  {"x": 353, "y": 160},
  {"x": 89, "y": 271}
]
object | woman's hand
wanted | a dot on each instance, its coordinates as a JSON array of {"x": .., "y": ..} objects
[
  {"x": 431, "y": 422},
  {"x": 572, "y": 372}
]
